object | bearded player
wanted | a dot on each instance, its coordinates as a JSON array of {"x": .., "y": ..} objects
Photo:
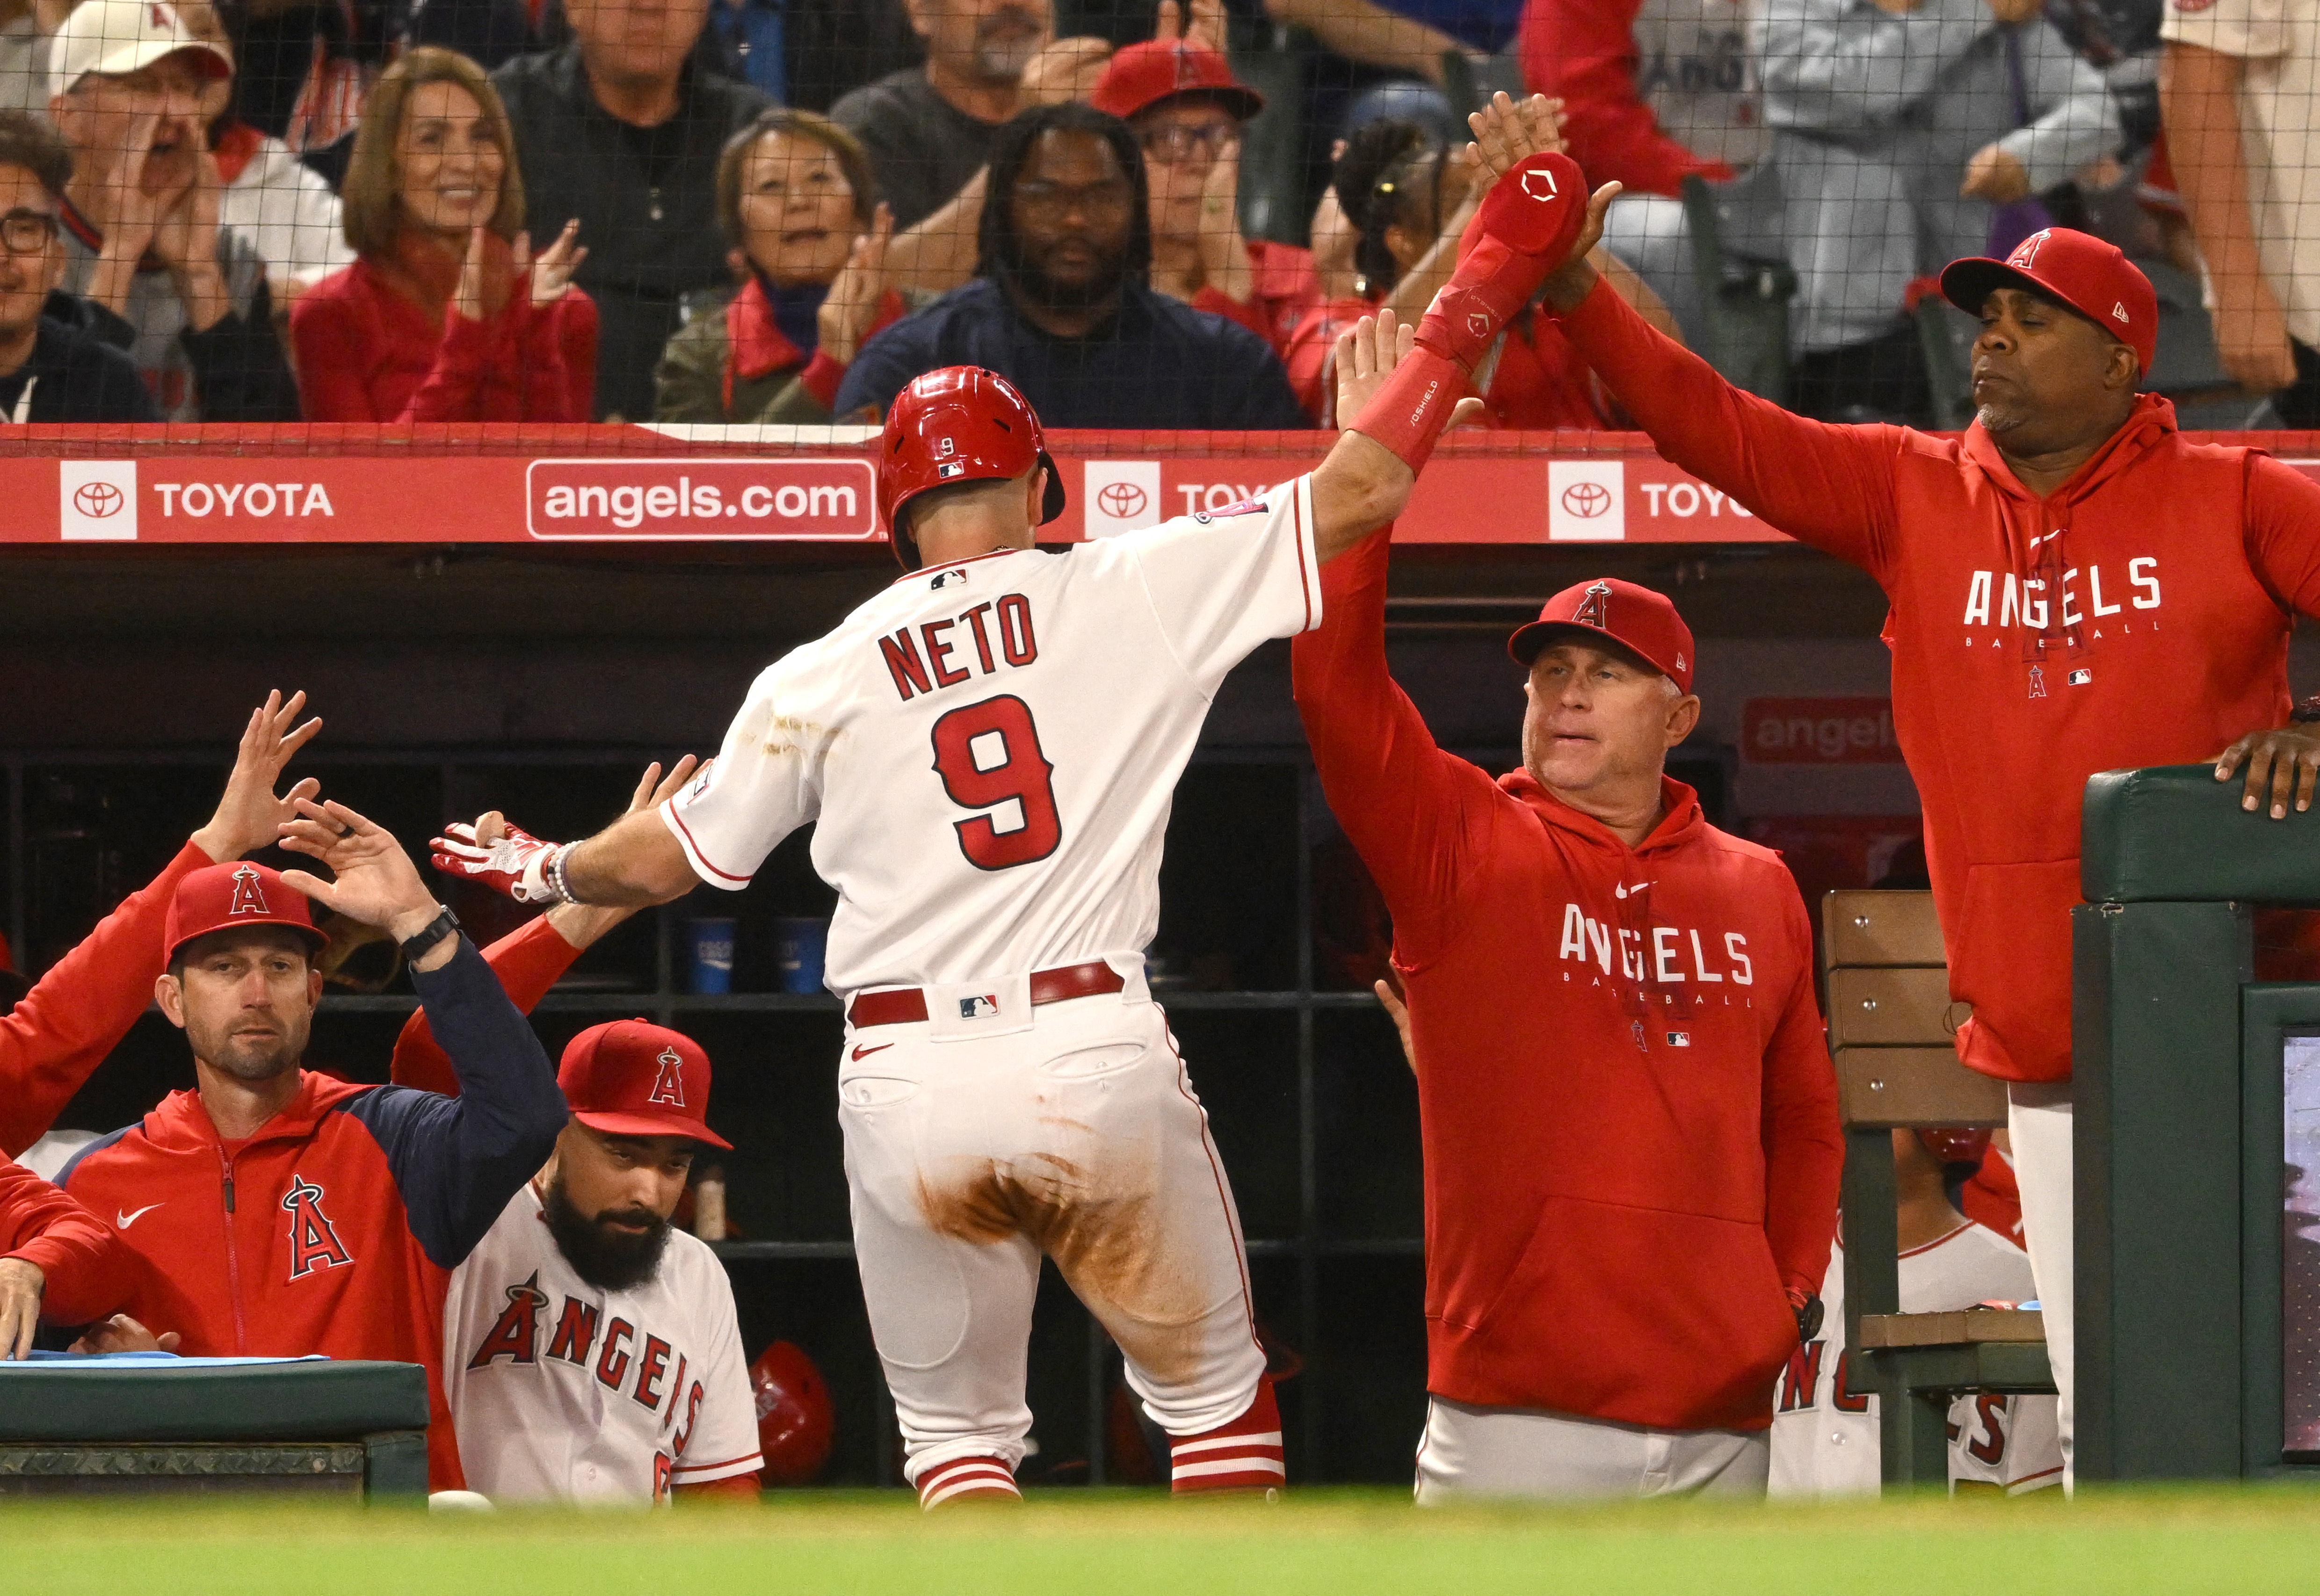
[{"x": 990, "y": 747}]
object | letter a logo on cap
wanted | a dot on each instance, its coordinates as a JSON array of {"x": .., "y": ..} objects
[
  {"x": 669, "y": 1086},
  {"x": 247, "y": 899},
  {"x": 2026, "y": 253},
  {"x": 1594, "y": 610}
]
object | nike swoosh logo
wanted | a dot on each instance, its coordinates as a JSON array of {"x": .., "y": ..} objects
[
  {"x": 1627, "y": 891},
  {"x": 862, "y": 1053},
  {"x": 127, "y": 1219}
]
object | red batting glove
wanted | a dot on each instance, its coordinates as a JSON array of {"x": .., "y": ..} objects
[
  {"x": 1522, "y": 230},
  {"x": 516, "y": 866}
]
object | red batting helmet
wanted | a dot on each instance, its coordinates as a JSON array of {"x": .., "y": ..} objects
[
  {"x": 959, "y": 424},
  {"x": 794, "y": 1417}
]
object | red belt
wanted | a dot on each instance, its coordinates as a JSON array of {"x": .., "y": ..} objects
[{"x": 907, "y": 1005}]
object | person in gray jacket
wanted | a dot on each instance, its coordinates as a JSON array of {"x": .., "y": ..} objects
[{"x": 1900, "y": 127}]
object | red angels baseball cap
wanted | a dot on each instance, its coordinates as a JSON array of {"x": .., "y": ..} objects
[
  {"x": 2072, "y": 269},
  {"x": 1642, "y": 622},
  {"x": 627, "y": 1077},
  {"x": 1141, "y": 75},
  {"x": 231, "y": 896}
]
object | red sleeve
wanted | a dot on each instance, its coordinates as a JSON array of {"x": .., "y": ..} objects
[
  {"x": 820, "y": 377},
  {"x": 332, "y": 344},
  {"x": 1407, "y": 806},
  {"x": 1804, "y": 1142},
  {"x": 1827, "y": 485},
  {"x": 62, "y": 1030},
  {"x": 1584, "y": 51},
  {"x": 576, "y": 322},
  {"x": 88, "y": 1270},
  {"x": 528, "y": 961},
  {"x": 737, "y": 1487},
  {"x": 2283, "y": 532},
  {"x": 549, "y": 337}
]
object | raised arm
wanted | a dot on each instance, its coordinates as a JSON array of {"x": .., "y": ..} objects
[
  {"x": 57, "y": 1035},
  {"x": 532, "y": 959},
  {"x": 456, "y": 1162}
]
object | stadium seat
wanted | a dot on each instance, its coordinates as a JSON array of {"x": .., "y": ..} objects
[
  {"x": 1743, "y": 303},
  {"x": 1890, "y": 1025}
]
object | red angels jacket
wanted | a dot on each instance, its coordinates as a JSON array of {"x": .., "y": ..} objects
[
  {"x": 89, "y": 1273},
  {"x": 334, "y": 1227},
  {"x": 1628, "y": 1116},
  {"x": 2137, "y": 615},
  {"x": 59, "y": 1032}
]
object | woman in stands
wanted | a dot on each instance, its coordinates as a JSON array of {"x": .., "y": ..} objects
[
  {"x": 444, "y": 316},
  {"x": 794, "y": 194},
  {"x": 1404, "y": 192}
]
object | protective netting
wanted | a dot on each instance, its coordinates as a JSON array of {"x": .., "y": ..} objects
[{"x": 396, "y": 214}]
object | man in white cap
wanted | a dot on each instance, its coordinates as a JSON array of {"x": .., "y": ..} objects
[{"x": 184, "y": 296}]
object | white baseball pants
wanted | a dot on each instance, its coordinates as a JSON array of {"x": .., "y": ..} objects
[
  {"x": 1470, "y": 1451},
  {"x": 2038, "y": 1121},
  {"x": 1075, "y": 1136}
]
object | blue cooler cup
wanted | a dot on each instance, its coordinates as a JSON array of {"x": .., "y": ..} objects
[
  {"x": 709, "y": 955},
  {"x": 800, "y": 946}
]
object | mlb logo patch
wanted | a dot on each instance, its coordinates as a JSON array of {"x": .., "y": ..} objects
[
  {"x": 949, "y": 468},
  {"x": 978, "y": 1007},
  {"x": 2081, "y": 676},
  {"x": 1679, "y": 1039},
  {"x": 947, "y": 577}
]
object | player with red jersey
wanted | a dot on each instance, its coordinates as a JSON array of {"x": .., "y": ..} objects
[
  {"x": 989, "y": 749},
  {"x": 2075, "y": 587}
]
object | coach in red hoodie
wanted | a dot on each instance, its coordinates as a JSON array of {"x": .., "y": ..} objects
[
  {"x": 2075, "y": 587},
  {"x": 276, "y": 1211},
  {"x": 1629, "y": 1115}
]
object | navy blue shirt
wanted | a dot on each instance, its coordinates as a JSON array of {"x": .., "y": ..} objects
[{"x": 1160, "y": 364}]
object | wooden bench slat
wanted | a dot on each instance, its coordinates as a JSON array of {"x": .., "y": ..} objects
[
  {"x": 1866, "y": 928},
  {"x": 1962, "y": 1328},
  {"x": 1894, "y": 1008},
  {"x": 1914, "y": 1088}
]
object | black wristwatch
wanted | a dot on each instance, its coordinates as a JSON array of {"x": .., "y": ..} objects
[
  {"x": 422, "y": 943},
  {"x": 2307, "y": 713},
  {"x": 1808, "y": 1318}
]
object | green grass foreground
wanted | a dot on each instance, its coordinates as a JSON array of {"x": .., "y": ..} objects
[{"x": 1096, "y": 1543}]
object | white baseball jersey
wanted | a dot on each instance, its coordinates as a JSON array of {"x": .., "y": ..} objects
[
  {"x": 990, "y": 747},
  {"x": 1825, "y": 1432},
  {"x": 564, "y": 1391}
]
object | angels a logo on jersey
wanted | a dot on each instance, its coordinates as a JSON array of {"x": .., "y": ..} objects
[
  {"x": 314, "y": 1241},
  {"x": 516, "y": 1333}
]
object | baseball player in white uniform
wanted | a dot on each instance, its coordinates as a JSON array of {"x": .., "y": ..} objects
[
  {"x": 990, "y": 747},
  {"x": 1825, "y": 1423},
  {"x": 591, "y": 1352}
]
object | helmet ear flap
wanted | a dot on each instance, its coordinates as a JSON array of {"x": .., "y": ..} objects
[{"x": 1051, "y": 504}]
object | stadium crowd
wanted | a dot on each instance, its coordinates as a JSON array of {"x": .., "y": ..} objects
[{"x": 782, "y": 210}]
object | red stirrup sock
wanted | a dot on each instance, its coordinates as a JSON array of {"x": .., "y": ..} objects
[
  {"x": 967, "y": 1479},
  {"x": 1522, "y": 230},
  {"x": 1242, "y": 1455}
]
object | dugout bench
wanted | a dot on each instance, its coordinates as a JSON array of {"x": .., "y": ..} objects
[
  {"x": 351, "y": 1430},
  {"x": 1890, "y": 1026}
]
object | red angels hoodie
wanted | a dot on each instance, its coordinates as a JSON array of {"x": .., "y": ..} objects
[
  {"x": 1628, "y": 1116},
  {"x": 333, "y": 1229},
  {"x": 2137, "y": 615}
]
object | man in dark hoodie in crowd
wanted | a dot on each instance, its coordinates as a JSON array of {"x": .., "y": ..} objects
[
  {"x": 1060, "y": 305},
  {"x": 52, "y": 367}
]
